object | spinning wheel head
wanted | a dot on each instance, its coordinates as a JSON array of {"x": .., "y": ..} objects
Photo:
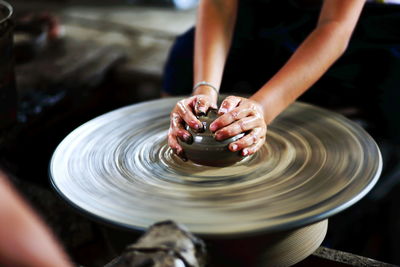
[
  {"x": 118, "y": 167},
  {"x": 205, "y": 150}
]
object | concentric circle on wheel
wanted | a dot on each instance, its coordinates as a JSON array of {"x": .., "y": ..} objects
[{"x": 118, "y": 167}]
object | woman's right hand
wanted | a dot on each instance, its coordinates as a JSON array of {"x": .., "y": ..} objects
[{"x": 185, "y": 111}]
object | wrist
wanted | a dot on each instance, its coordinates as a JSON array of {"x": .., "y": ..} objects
[
  {"x": 204, "y": 88},
  {"x": 270, "y": 102}
]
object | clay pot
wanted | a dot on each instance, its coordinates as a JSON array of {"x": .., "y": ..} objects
[{"x": 205, "y": 150}]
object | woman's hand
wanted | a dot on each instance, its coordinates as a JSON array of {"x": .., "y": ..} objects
[
  {"x": 241, "y": 115},
  {"x": 185, "y": 111}
]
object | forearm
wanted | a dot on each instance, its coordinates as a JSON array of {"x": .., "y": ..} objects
[
  {"x": 214, "y": 31},
  {"x": 312, "y": 59}
]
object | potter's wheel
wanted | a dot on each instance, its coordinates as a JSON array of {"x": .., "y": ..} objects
[{"x": 118, "y": 167}]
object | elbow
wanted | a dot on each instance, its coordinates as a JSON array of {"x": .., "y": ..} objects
[
  {"x": 342, "y": 47},
  {"x": 339, "y": 34},
  {"x": 344, "y": 40},
  {"x": 342, "y": 35}
]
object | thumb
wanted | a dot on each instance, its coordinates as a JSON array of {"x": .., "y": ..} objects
[
  {"x": 214, "y": 106},
  {"x": 202, "y": 105}
]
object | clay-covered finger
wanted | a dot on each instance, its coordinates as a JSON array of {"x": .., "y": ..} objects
[
  {"x": 228, "y": 118},
  {"x": 213, "y": 105},
  {"x": 253, "y": 148},
  {"x": 249, "y": 139},
  {"x": 186, "y": 113},
  {"x": 176, "y": 128},
  {"x": 184, "y": 135},
  {"x": 176, "y": 147},
  {"x": 173, "y": 143},
  {"x": 228, "y": 104},
  {"x": 202, "y": 105},
  {"x": 240, "y": 126}
]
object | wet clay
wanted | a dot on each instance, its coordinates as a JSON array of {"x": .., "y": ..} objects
[{"x": 204, "y": 149}]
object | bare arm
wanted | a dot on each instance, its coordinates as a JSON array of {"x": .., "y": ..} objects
[
  {"x": 323, "y": 46},
  {"x": 214, "y": 30},
  {"x": 24, "y": 240},
  {"x": 312, "y": 59}
]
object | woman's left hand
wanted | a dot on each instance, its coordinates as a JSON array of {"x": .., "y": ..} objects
[{"x": 241, "y": 115}]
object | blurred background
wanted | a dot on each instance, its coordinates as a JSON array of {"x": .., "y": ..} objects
[{"x": 75, "y": 60}]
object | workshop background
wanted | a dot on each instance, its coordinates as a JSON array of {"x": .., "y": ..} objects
[{"x": 76, "y": 60}]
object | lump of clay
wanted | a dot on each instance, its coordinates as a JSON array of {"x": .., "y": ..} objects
[{"x": 205, "y": 150}]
